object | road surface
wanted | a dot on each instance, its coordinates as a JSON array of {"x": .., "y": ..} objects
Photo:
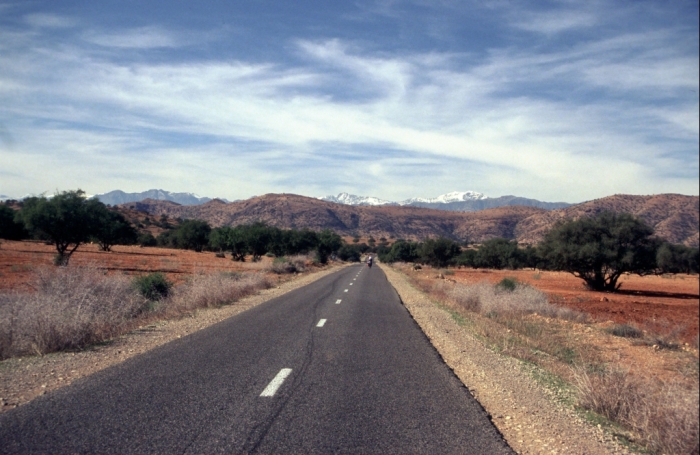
[{"x": 337, "y": 366}]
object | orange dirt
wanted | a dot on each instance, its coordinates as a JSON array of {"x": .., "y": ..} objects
[
  {"x": 660, "y": 304},
  {"x": 18, "y": 259}
]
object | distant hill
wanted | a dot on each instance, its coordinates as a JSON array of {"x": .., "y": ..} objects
[
  {"x": 117, "y": 197},
  {"x": 674, "y": 217}
]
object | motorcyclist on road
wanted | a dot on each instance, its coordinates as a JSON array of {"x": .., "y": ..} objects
[{"x": 369, "y": 262}]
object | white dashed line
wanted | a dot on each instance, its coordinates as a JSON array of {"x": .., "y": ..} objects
[
  {"x": 320, "y": 323},
  {"x": 345, "y": 290},
  {"x": 276, "y": 383},
  {"x": 337, "y": 301},
  {"x": 350, "y": 284}
]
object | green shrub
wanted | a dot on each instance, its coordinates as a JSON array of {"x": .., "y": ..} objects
[
  {"x": 153, "y": 286},
  {"x": 507, "y": 284}
]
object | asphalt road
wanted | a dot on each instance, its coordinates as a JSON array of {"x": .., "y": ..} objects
[{"x": 275, "y": 379}]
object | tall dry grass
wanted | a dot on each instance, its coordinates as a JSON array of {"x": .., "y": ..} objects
[
  {"x": 213, "y": 290},
  {"x": 664, "y": 417},
  {"x": 74, "y": 307},
  {"x": 487, "y": 299}
]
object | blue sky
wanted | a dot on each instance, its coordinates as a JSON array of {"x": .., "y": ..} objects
[{"x": 554, "y": 100}]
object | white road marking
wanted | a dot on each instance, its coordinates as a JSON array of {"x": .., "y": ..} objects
[
  {"x": 350, "y": 284},
  {"x": 276, "y": 383},
  {"x": 320, "y": 323},
  {"x": 345, "y": 290},
  {"x": 337, "y": 301}
]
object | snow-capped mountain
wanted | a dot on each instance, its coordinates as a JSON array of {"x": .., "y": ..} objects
[
  {"x": 455, "y": 196},
  {"x": 120, "y": 197},
  {"x": 351, "y": 199},
  {"x": 460, "y": 201}
]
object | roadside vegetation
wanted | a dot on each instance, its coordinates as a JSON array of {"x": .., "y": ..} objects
[
  {"x": 75, "y": 307},
  {"x": 648, "y": 413}
]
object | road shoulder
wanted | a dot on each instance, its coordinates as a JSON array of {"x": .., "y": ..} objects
[{"x": 527, "y": 415}]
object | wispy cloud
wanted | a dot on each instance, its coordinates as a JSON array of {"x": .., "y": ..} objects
[
  {"x": 599, "y": 116},
  {"x": 139, "y": 38}
]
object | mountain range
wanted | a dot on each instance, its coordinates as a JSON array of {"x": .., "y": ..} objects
[
  {"x": 117, "y": 197},
  {"x": 466, "y": 201},
  {"x": 674, "y": 217}
]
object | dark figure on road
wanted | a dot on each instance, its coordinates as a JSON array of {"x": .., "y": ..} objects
[{"x": 369, "y": 262}]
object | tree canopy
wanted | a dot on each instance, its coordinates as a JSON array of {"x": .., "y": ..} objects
[
  {"x": 601, "y": 248},
  {"x": 67, "y": 220}
]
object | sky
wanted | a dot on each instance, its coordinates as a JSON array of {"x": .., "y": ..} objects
[{"x": 553, "y": 100}]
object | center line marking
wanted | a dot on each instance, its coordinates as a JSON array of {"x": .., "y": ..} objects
[
  {"x": 320, "y": 323},
  {"x": 345, "y": 290},
  {"x": 350, "y": 284},
  {"x": 276, "y": 383},
  {"x": 337, "y": 301}
]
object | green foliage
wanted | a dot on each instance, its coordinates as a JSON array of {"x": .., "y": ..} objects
[
  {"x": 146, "y": 239},
  {"x": 192, "y": 235},
  {"x": 154, "y": 286},
  {"x": 9, "y": 228},
  {"x": 499, "y": 254},
  {"x": 328, "y": 243},
  {"x": 349, "y": 253},
  {"x": 438, "y": 252},
  {"x": 467, "y": 258},
  {"x": 67, "y": 220},
  {"x": 672, "y": 258},
  {"x": 600, "y": 249},
  {"x": 401, "y": 251},
  {"x": 507, "y": 284},
  {"x": 111, "y": 227}
]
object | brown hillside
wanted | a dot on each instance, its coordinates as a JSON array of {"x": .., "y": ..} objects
[
  {"x": 292, "y": 211},
  {"x": 674, "y": 217}
]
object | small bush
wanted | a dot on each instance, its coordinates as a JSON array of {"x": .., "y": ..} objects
[
  {"x": 154, "y": 286},
  {"x": 625, "y": 331},
  {"x": 507, "y": 284}
]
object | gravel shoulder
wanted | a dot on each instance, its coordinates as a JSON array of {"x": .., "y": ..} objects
[
  {"x": 23, "y": 379},
  {"x": 526, "y": 413}
]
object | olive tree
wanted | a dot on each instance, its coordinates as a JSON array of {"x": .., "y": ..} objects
[
  {"x": 66, "y": 219},
  {"x": 601, "y": 248}
]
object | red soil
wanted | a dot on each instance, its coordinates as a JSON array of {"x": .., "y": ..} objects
[
  {"x": 662, "y": 304},
  {"x": 18, "y": 259}
]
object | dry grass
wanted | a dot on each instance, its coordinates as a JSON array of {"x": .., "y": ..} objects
[
  {"x": 74, "y": 307},
  {"x": 664, "y": 417},
  {"x": 71, "y": 307},
  {"x": 213, "y": 290},
  {"x": 486, "y": 299},
  {"x": 660, "y": 416},
  {"x": 291, "y": 264}
]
